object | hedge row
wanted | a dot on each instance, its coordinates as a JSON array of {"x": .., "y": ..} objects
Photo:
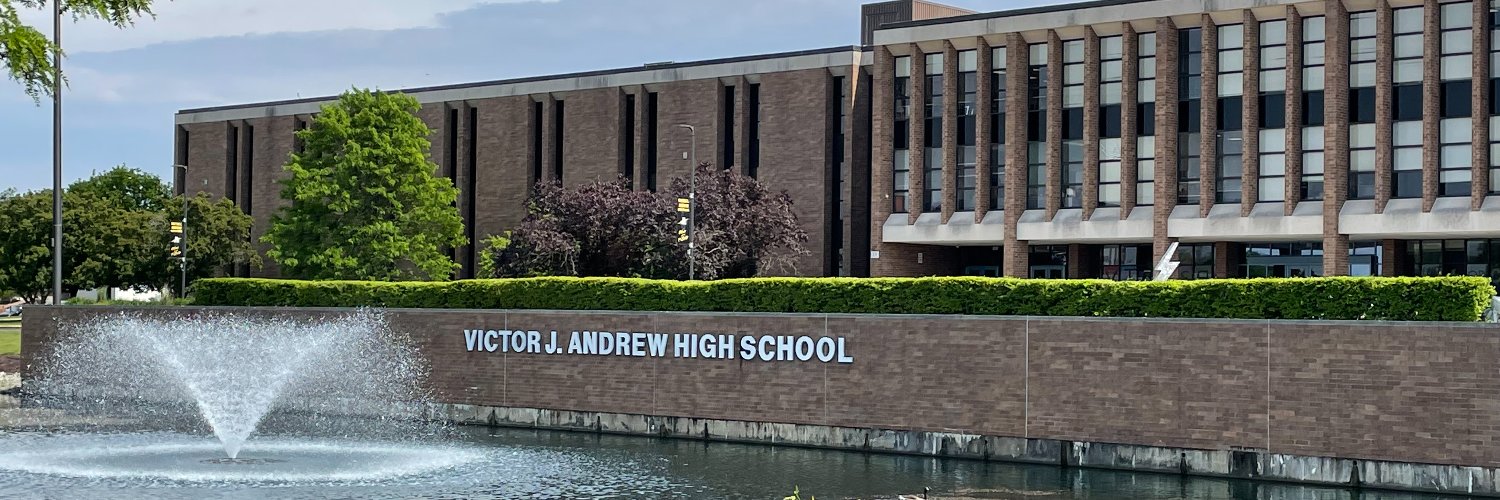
[{"x": 1403, "y": 299}]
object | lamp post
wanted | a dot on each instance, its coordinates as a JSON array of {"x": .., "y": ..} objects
[
  {"x": 692, "y": 196},
  {"x": 57, "y": 209},
  {"x": 185, "y": 199}
]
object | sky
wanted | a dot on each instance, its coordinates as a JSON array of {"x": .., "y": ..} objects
[{"x": 125, "y": 85}]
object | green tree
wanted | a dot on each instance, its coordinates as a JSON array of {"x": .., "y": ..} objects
[
  {"x": 365, "y": 200},
  {"x": 26, "y": 53},
  {"x": 218, "y": 237},
  {"x": 115, "y": 223},
  {"x": 25, "y": 243}
]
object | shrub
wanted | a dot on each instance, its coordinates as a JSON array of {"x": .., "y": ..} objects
[{"x": 1400, "y": 299}]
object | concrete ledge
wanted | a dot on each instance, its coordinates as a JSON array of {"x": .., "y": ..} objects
[{"x": 1243, "y": 464}]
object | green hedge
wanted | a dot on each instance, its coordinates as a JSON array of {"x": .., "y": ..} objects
[{"x": 1403, "y": 299}]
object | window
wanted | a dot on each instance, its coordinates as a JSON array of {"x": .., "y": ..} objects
[
  {"x": 1072, "y": 157},
  {"x": 1282, "y": 260},
  {"x": 1494, "y": 91},
  {"x": 1145, "y": 150},
  {"x": 1190, "y": 78},
  {"x": 1049, "y": 261},
  {"x": 1230, "y": 161},
  {"x": 728, "y": 125},
  {"x": 1123, "y": 262},
  {"x": 651, "y": 108},
  {"x": 1454, "y": 258},
  {"x": 997, "y": 128},
  {"x": 557, "y": 142},
  {"x": 1111, "y": 57},
  {"x": 1365, "y": 258},
  {"x": 1313, "y": 47},
  {"x": 932, "y": 147},
  {"x": 968, "y": 87},
  {"x": 1456, "y": 154},
  {"x": 1272, "y": 119},
  {"x": 627, "y": 137},
  {"x": 1312, "y": 163},
  {"x": 752, "y": 153},
  {"x": 1195, "y": 261},
  {"x": 1494, "y": 154},
  {"x": 1406, "y": 151},
  {"x": 1362, "y": 160},
  {"x": 901, "y": 160},
  {"x": 536, "y": 142},
  {"x": 1036, "y": 127}
]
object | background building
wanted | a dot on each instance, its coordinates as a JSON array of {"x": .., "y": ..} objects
[{"x": 1266, "y": 138}]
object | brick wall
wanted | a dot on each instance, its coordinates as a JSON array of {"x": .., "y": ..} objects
[{"x": 1362, "y": 390}]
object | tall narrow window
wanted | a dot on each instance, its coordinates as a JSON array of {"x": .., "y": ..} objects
[
  {"x": 1036, "y": 128},
  {"x": 901, "y": 161},
  {"x": 997, "y": 128},
  {"x": 471, "y": 197},
  {"x": 1111, "y": 74},
  {"x": 838, "y": 107},
  {"x": 179, "y": 175},
  {"x": 1230, "y": 140},
  {"x": 1072, "y": 157},
  {"x": 968, "y": 88},
  {"x": 1455, "y": 178},
  {"x": 752, "y": 152},
  {"x": 232, "y": 164},
  {"x": 298, "y": 145},
  {"x": 248, "y": 173},
  {"x": 1313, "y": 46},
  {"x": 557, "y": 141},
  {"x": 728, "y": 118},
  {"x": 1190, "y": 88},
  {"x": 932, "y": 123},
  {"x": 450, "y": 146},
  {"x": 1406, "y": 108},
  {"x": 1362, "y": 54},
  {"x": 1272, "y": 106},
  {"x": 536, "y": 142},
  {"x": 1145, "y": 121},
  {"x": 627, "y": 137},
  {"x": 651, "y": 118}
]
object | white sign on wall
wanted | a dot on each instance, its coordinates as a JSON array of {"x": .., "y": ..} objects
[{"x": 662, "y": 345}]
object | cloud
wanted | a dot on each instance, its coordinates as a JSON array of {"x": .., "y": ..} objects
[{"x": 184, "y": 20}]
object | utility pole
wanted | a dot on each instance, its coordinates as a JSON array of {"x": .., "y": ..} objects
[
  {"x": 57, "y": 209},
  {"x": 692, "y": 197}
]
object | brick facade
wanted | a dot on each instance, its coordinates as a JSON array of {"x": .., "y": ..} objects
[{"x": 1357, "y": 390}]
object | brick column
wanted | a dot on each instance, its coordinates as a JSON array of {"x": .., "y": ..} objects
[
  {"x": 1208, "y": 125},
  {"x": 1391, "y": 258},
  {"x": 982, "y": 112},
  {"x": 950, "y": 131},
  {"x": 1090, "y": 124},
  {"x": 1293, "y": 186},
  {"x": 1431, "y": 111},
  {"x": 917, "y": 156},
  {"x": 1221, "y": 259},
  {"x": 1480, "y": 99},
  {"x": 1385, "y": 52},
  {"x": 1054, "y": 124},
  {"x": 1075, "y": 261},
  {"x": 1130, "y": 79},
  {"x": 1335, "y": 138},
  {"x": 1166, "y": 136},
  {"x": 883, "y": 151},
  {"x": 1250, "y": 106},
  {"x": 1017, "y": 60}
]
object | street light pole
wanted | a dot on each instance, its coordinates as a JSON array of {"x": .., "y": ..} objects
[
  {"x": 57, "y": 209},
  {"x": 183, "y": 262},
  {"x": 692, "y": 198}
]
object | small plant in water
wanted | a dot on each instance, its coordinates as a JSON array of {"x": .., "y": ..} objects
[{"x": 797, "y": 495}]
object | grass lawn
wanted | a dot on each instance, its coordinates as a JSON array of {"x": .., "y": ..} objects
[{"x": 10, "y": 336}]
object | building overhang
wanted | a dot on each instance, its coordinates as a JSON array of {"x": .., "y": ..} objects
[
  {"x": 1404, "y": 219},
  {"x": 1266, "y": 222}
]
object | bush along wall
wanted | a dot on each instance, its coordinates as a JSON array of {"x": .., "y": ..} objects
[{"x": 1397, "y": 299}]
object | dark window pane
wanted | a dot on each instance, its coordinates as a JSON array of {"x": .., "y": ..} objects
[
  {"x": 1145, "y": 118},
  {"x": 1073, "y": 123},
  {"x": 1273, "y": 111},
  {"x": 1406, "y": 184},
  {"x": 1312, "y": 108},
  {"x": 1407, "y": 105},
  {"x": 1456, "y": 99},
  {"x": 1189, "y": 116},
  {"x": 1109, "y": 121},
  {"x": 1362, "y": 105},
  {"x": 1231, "y": 113}
]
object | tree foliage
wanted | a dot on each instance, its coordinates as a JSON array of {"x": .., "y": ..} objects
[
  {"x": 607, "y": 229},
  {"x": 26, "y": 53},
  {"x": 116, "y": 234},
  {"x": 365, "y": 200}
]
